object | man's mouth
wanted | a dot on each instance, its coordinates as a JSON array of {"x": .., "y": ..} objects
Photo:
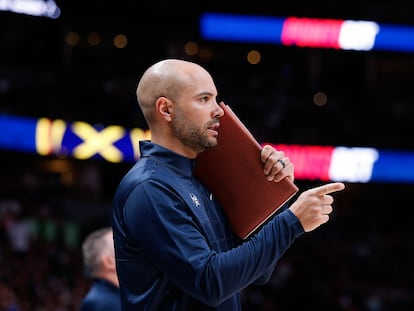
[{"x": 214, "y": 127}]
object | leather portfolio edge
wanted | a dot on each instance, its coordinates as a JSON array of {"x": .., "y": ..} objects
[{"x": 218, "y": 167}]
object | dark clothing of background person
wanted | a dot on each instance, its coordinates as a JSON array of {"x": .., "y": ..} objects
[{"x": 102, "y": 296}]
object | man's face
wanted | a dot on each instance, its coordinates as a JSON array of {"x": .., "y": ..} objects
[{"x": 196, "y": 114}]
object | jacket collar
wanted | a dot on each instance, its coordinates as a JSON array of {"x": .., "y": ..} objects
[{"x": 177, "y": 162}]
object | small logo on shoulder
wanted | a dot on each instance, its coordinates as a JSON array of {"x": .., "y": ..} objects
[{"x": 194, "y": 199}]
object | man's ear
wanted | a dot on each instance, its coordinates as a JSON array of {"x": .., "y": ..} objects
[
  {"x": 108, "y": 262},
  {"x": 164, "y": 106}
]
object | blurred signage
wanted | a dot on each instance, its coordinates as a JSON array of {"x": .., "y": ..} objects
[
  {"x": 47, "y": 8},
  {"x": 116, "y": 144},
  {"x": 307, "y": 32}
]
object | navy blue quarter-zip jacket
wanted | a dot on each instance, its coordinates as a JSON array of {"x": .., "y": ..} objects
[{"x": 173, "y": 245}]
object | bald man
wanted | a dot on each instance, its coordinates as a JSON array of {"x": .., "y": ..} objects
[
  {"x": 174, "y": 247},
  {"x": 99, "y": 263}
]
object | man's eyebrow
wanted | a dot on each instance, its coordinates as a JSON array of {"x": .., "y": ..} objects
[{"x": 206, "y": 93}]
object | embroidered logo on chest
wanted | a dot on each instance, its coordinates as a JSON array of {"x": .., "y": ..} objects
[{"x": 194, "y": 199}]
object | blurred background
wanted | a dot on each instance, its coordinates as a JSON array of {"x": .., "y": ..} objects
[{"x": 80, "y": 61}]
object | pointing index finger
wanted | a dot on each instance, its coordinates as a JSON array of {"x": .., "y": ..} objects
[{"x": 329, "y": 188}]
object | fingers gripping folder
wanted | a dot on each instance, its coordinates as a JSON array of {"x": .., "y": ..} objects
[{"x": 233, "y": 172}]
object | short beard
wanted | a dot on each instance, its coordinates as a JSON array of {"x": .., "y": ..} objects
[{"x": 191, "y": 135}]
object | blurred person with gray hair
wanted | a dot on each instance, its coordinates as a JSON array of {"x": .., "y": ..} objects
[{"x": 99, "y": 264}]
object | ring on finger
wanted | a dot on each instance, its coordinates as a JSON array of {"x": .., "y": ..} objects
[{"x": 282, "y": 162}]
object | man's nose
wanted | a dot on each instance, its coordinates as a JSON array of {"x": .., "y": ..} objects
[{"x": 219, "y": 111}]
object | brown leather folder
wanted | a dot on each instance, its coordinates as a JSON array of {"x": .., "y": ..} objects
[{"x": 233, "y": 172}]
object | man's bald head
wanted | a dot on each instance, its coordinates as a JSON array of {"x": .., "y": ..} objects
[{"x": 165, "y": 78}]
